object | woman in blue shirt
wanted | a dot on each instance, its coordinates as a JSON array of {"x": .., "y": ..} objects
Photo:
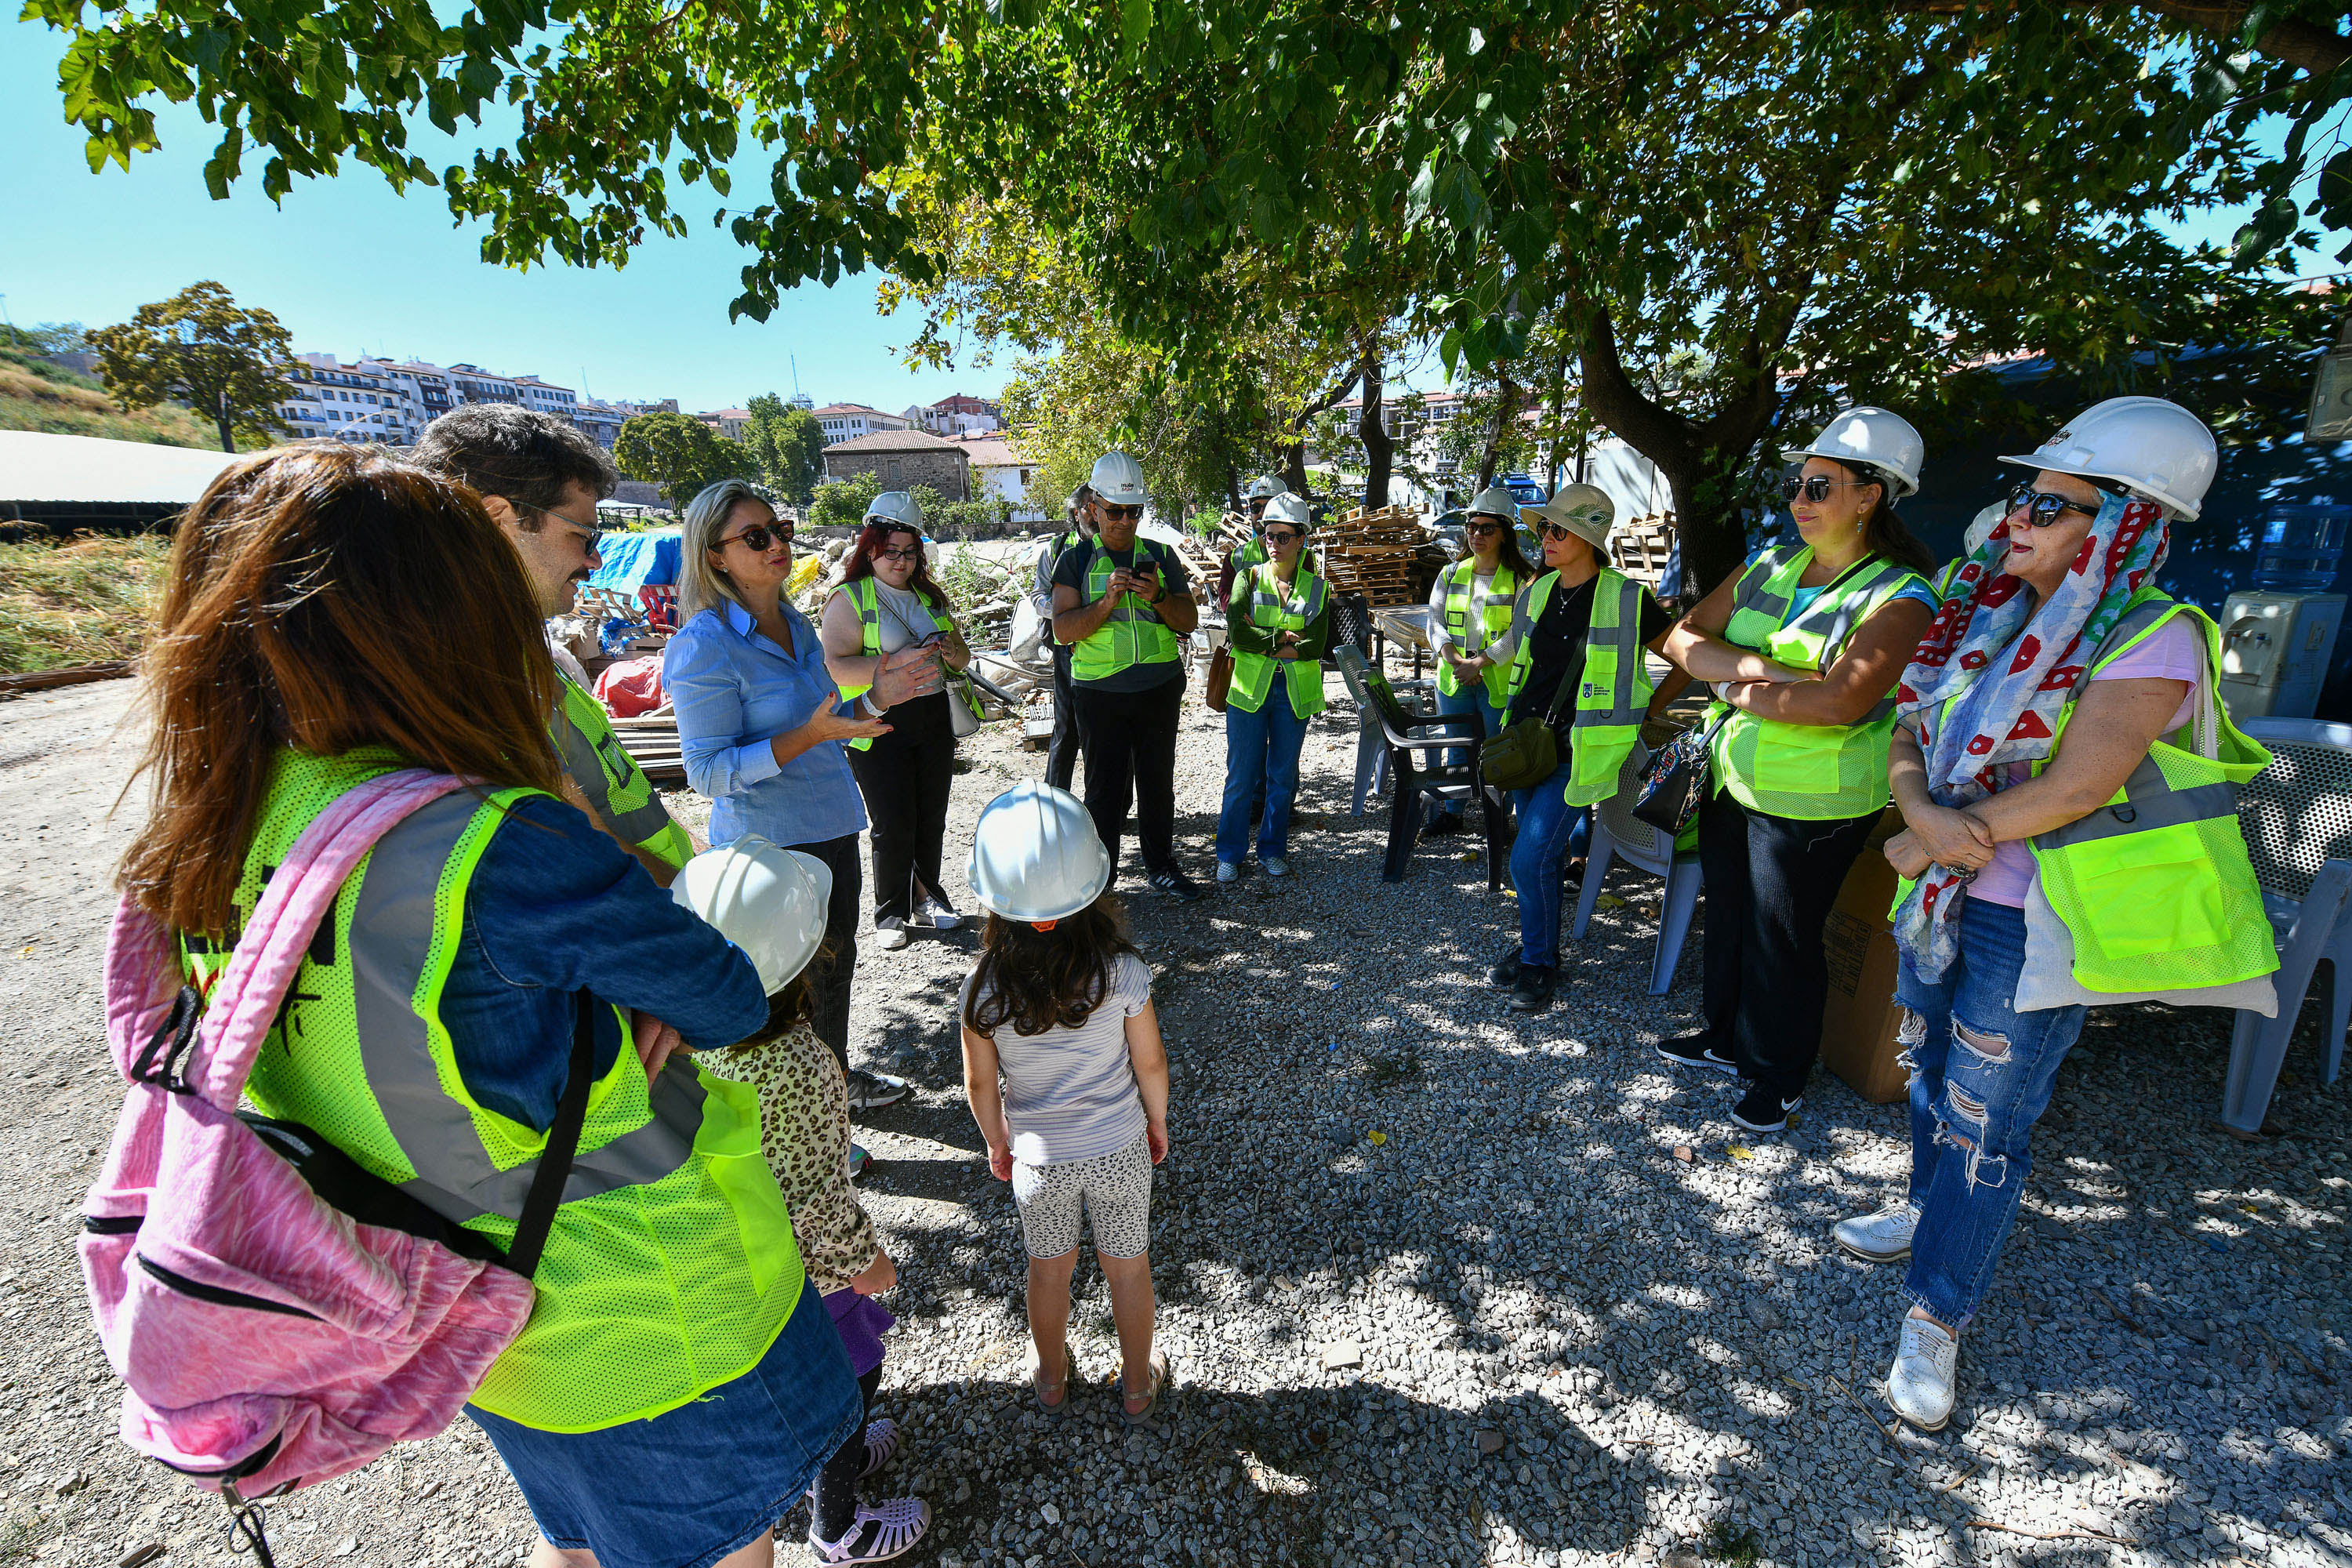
[{"x": 761, "y": 724}]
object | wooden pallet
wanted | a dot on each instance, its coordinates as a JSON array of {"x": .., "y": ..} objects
[
  {"x": 1640, "y": 549},
  {"x": 651, "y": 739}
]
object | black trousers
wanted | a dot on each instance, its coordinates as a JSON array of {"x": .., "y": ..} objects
[
  {"x": 904, "y": 776},
  {"x": 1062, "y": 750},
  {"x": 835, "y": 965},
  {"x": 1770, "y": 881},
  {"x": 1130, "y": 741}
]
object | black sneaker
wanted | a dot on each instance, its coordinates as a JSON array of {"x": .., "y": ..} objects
[
  {"x": 1506, "y": 973},
  {"x": 1695, "y": 1051},
  {"x": 1761, "y": 1110},
  {"x": 1441, "y": 826},
  {"x": 1531, "y": 993},
  {"x": 1174, "y": 884}
]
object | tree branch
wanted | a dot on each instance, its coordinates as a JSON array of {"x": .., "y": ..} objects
[{"x": 2304, "y": 45}]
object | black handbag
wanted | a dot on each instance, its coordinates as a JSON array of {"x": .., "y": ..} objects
[{"x": 1673, "y": 781}]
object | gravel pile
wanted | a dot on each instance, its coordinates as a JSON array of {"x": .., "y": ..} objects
[{"x": 1443, "y": 1284}]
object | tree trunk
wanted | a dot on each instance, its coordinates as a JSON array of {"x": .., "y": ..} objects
[
  {"x": 1294, "y": 467},
  {"x": 1379, "y": 449},
  {"x": 1506, "y": 409},
  {"x": 222, "y": 422}
]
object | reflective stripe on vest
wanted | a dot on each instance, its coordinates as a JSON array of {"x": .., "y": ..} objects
[
  {"x": 1811, "y": 772},
  {"x": 671, "y": 1266},
  {"x": 617, "y": 791},
  {"x": 2155, "y": 886},
  {"x": 1270, "y": 610},
  {"x": 1493, "y": 606},
  {"x": 1134, "y": 634},
  {"x": 1613, "y": 691}
]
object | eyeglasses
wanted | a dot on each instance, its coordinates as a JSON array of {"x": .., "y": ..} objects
[
  {"x": 1817, "y": 487},
  {"x": 1124, "y": 513},
  {"x": 2042, "y": 509},
  {"x": 1482, "y": 529},
  {"x": 591, "y": 538},
  {"x": 759, "y": 535},
  {"x": 908, "y": 552},
  {"x": 1281, "y": 536}
]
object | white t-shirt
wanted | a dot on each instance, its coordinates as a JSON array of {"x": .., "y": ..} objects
[
  {"x": 902, "y": 617},
  {"x": 1070, "y": 1094}
]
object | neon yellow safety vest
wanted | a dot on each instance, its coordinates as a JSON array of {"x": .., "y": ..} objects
[
  {"x": 671, "y": 1266},
  {"x": 1493, "y": 606},
  {"x": 1613, "y": 694},
  {"x": 618, "y": 792},
  {"x": 1134, "y": 634},
  {"x": 1258, "y": 595},
  {"x": 866, "y": 603},
  {"x": 1811, "y": 772},
  {"x": 2155, "y": 886},
  {"x": 1252, "y": 552}
]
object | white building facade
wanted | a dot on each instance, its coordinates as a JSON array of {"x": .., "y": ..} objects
[{"x": 848, "y": 421}]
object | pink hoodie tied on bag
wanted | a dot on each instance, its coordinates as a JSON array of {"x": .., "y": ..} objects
[{"x": 268, "y": 1338}]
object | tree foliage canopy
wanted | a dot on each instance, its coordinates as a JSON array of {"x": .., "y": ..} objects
[
  {"x": 200, "y": 346},
  {"x": 680, "y": 454},
  {"x": 788, "y": 445}
]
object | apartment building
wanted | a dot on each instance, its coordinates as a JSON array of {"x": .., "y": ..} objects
[
  {"x": 848, "y": 421},
  {"x": 957, "y": 415},
  {"x": 327, "y": 399},
  {"x": 729, "y": 422}
]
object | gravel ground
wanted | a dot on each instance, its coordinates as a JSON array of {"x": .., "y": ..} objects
[{"x": 1520, "y": 1327}]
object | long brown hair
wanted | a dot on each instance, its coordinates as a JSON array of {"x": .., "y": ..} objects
[
  {"x": 325, "y": 597},
  {"x": 873, "y": 537},
  {"x": 1040, "y": 980},
  {"x": 1883, "y": 532}
]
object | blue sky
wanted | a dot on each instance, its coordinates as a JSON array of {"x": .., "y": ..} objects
[{"x": 353, "y": 269}]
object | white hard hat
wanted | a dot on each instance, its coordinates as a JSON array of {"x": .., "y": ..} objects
[
  {"x": 1291, "y": 509},
  {"x": 1036, "y": 855},
  {"x": 2145, "y": 444},
  {"x": 897, "y": 507},
  {"x": 1495, "y": 500},
  {"x": 769, "y": 903},
  {"x": 1119, "y": 480},
  {"x": 1584, "y": 510},
  {"x": 1266, "y": 487},
  {"x": 1871, "y": 437}
]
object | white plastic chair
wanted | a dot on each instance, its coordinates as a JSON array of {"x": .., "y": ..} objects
[
  {"x": 2296, "y": 815},
  {"x": 1619, "y": 835}
]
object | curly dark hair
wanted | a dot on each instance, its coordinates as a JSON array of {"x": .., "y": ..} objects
[
  {"x": 527, "y": 458},
  {"x": 1040, "y": 980}
]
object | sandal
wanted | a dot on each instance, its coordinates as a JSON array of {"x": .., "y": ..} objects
[
  {"x": 1059, "y": 1407},
  {"x": 1162, "y": 1375},
  {"x": 881, "y": 1443}
]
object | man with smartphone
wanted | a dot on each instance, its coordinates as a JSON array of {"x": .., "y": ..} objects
[{"x": 1121, "y": 604}]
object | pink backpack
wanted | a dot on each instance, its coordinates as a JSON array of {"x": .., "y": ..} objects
[{"x": 278, "y": 1315}]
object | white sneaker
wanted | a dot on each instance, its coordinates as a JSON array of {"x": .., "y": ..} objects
[
  {"x": 1228, "y": 871},
  {"x": 1919, "y": 1384},
  {"x": 891, "y": 934},
  {"x": 1881, "y": 1237},
  {"x": 936, "y": 915},
  {"x": 1276, "y": 866}
]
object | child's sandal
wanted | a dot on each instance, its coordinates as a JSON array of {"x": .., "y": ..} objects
[
  {"x": 1146, "y": 1418},
  {"x": 1059, "y": 1407}
]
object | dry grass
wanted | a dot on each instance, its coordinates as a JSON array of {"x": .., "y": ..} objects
[
  {"x": 79, "y": 601},
  {"x": 37, "y": 395}
]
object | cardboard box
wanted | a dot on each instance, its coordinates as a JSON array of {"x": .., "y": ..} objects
[{"x": 1858, "y": 1023}]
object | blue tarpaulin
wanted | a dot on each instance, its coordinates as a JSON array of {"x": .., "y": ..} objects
[{"x": 633, "y": 560}]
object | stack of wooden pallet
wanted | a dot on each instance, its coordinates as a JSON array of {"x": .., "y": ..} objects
[
  {"x": 1372, "y": 554},
  {"x": 651, "y": 740},
  {"x": 1641, "y": 548}
]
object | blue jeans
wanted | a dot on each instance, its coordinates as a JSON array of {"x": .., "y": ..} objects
[
  {"x": 1547, "y": 825},
  {"x": 1469, "y": 700},
  {"x": 1980, "y": 1078},
  {"x": 1260, "y": 753}
]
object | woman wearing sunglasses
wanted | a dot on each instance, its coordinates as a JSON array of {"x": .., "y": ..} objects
[
  {"x": 2068, "y": 782},
  {"x": 1470, "y": 624},
  {"x": 764, "y": 730},
  {"x": 1279, "y": 624},
  {"x": 1804, "y": 647},
  {"x": 887, "y": 604},
  {"x": 1577, "y": 634}
]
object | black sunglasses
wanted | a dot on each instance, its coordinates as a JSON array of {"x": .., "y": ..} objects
[
  {"x": 1281, "y": 536},
  {"x": 1122, "y": 512},
  {"x": 1817, "y": 487},
  {"x": 1481, "y": 529},
  {"x": 759, "y": 535},
  {"x": 905, "y": 552},
  {"x": 1559, "y": 530},
  {"x": 2042, "y": 509}
]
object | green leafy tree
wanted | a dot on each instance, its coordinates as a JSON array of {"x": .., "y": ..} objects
[
  {"x": 202, "y": 348},
  {"x": 680, "y": 454},
  {"x": 788, "y": 444}
]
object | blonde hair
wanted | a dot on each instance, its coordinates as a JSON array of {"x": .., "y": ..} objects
[{"x": 700, "y": 586}]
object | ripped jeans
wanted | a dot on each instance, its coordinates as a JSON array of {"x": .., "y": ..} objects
[{"x": 1980, "y": 1078}]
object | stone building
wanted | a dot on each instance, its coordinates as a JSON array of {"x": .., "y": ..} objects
[{"x": 901, "y": 460}]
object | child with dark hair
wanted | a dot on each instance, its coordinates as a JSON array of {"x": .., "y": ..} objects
[{"x": 1068, "y": 1077}]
